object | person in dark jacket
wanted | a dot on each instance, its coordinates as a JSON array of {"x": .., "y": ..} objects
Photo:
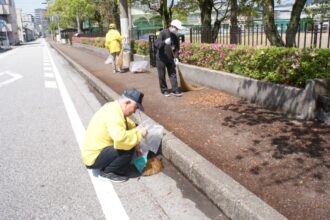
[{"x": 167, "y": 45}]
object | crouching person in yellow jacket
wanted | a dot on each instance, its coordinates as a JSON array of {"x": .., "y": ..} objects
[
  {"x": 113, "y": 44},
  {"x": 111, "y": 137}
]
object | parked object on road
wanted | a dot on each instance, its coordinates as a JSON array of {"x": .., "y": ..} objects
[{"x": 139, "y": 66}]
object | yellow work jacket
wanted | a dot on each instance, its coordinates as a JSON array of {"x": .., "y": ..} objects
[
  {"x": 108, "y": 128},
  {"x": 113, "y": 41}
]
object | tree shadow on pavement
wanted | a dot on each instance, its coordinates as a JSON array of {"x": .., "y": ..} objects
[{"x": 305, "y": 144}]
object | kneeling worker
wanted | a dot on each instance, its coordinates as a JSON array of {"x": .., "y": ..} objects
[{"x": 111, "y": 137}]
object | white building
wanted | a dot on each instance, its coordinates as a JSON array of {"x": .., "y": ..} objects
[
  {"x": 8, "y": 23},
  {"x": 30, "y": 32},
  {"x": 20, "y": 29}
]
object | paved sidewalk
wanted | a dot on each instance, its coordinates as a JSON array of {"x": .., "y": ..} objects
[{"x": 220, "y": 128}]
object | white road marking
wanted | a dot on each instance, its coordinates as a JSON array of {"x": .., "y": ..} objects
[
  {"x": 50, "y": 84},
  {"x": 14, "y": 77},
  {"x": 47, "y": 69},
  {"x": 110, "y": 203},
  {"x": 49, "y": 75}
]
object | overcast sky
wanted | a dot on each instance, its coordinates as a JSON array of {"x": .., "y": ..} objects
[{"x": 28, "y": 6}]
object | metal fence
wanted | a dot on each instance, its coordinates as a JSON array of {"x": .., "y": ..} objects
[{"x": 309, "y": 34}]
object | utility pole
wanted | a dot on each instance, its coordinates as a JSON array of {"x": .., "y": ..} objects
[{"x": 124, "y": 26}]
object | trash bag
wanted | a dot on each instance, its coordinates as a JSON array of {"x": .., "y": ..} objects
[
  {"x": 139, "y": 66},
  {"x": 152, "y": 141},
  {"x": 109, "y": 59}
]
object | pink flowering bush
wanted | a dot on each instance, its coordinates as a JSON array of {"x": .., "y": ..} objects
[{"x": 290, "y": 66}]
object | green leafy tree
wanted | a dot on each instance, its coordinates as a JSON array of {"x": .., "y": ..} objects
[
  {"x": 162, "y": 7},
  {"x": 70, "y": 11},
  {"x": 106, "y": 12},
  {"x": 320, "y": 9},
  {"x": 183, "y": 8}
]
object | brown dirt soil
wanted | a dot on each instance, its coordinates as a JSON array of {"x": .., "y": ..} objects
[{"x": 283, "y": 161}]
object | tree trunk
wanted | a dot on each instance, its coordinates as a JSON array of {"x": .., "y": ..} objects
[
  {"x": 164, "y": 13},
  {"x": 116, "y": 16},
  {"x": 78, "y": 23},
  {"x": 233, "y": 22},
  {"x": 294, "y": 23},
  {"x": 215, "y": 30},
  {"x": 270, "y": 27},
  {"x": 206, "y": 11}
]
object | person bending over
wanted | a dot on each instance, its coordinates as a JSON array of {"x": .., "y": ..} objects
[{"x": 112, "y": 137}]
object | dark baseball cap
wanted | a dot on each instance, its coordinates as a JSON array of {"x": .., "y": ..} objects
[{"x": 136, "y": 96}]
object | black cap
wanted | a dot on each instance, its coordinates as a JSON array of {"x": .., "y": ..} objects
[{"x": 135, "y": 96}]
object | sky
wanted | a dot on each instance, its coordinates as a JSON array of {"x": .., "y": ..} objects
[{"x": 28, "y": 6}]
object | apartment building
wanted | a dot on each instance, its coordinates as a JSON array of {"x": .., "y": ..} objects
[
  {"x": 20, "y": 28},
  {"x": 8, "y": 23},
  {"x": 41, "y": 21},
  {"x": 30, "y": 31}
]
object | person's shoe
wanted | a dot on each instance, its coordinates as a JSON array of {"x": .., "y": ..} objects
[
  {"x": 113, "y": 177},
  {"x": 166, "y": 94},
  {"x": 177, "y": 93}
]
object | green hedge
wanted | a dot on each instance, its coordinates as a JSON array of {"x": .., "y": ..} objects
[
  {"x": 140, "y": 47},
  {"x": 289, "y": 66},
  {"x": 93, "y": 41}
]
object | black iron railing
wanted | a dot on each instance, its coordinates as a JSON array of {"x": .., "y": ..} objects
[{"x": 309, "y": 34}]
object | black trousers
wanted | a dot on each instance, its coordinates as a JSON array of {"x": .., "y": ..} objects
[
  {"x": 112, "y": 160},
  {"x": 170, "y": 66}
]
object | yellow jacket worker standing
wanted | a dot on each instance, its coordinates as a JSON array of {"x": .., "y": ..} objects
[
  {"x": 113, "y": 44},
  {"x": 112, "y": 137}
]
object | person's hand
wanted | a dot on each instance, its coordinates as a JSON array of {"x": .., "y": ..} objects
[
  {"x": 138, "y": 150},
  {"x": 143, "y": 131},
  {"x": 176, "y": 61},
  {"x": 168, "y": 41}
]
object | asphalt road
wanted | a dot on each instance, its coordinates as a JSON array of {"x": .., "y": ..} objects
[{"x": 44, "y": 110}]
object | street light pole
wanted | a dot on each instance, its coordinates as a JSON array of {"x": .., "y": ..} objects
[{"x": 124, "y": 24}]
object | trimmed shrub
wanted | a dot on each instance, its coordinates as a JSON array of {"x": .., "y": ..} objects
[
  {"x": 99, "y": 42},
  {"x": 140, "y": 47},
  {"x": 289, "y": 66}
]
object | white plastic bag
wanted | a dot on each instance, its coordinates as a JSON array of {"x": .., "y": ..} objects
[
  {"x": 109, "y": 59},
  {"x": 152, "y": 141},
  {"x": 139, "y": 66}
]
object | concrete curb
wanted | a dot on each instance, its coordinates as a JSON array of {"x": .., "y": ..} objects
[{"x": 232, "y": 198}]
